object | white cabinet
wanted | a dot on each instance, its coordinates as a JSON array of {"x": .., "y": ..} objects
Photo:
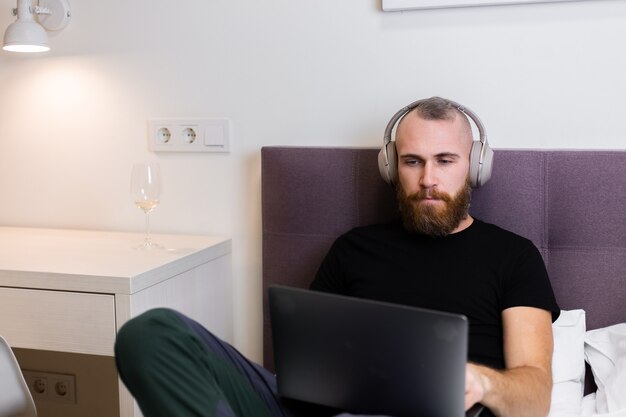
[{"x": 70, "y": 290}]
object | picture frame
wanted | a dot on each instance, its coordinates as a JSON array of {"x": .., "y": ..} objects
[{"x": 398, "y": 5}]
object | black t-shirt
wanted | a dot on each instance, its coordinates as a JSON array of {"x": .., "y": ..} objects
[{"x": 478, "y": 272}]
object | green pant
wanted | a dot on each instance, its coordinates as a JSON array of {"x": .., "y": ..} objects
[{"x": 175, "y": 368}]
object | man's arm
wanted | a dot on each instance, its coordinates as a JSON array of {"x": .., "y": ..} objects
[{"x": 524, "y": 388}]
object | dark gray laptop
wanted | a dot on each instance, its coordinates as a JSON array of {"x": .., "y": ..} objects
[{"x": 366, "y": 356}]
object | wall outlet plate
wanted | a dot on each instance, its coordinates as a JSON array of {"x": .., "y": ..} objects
[
  {"x": 48, "y": 386},
  {"x": 189, "y": 135}
]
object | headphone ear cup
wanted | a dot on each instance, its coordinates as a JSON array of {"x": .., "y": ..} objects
[
  {"x": 480, "y": 173},
  {"x": 382, "y": 165},
  {"x": 487, "y": 165},
  {"x": 474, "y": 171},
  {"x": 388, "y": 167}
]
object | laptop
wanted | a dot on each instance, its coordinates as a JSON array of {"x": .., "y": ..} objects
[{"x": 368, "y": 357}]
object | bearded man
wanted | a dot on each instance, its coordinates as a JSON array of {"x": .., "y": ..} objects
[{"x": 436, "y": 256}]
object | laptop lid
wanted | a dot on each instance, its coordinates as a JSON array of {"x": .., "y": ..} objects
[{"x": 366, "y": 356}]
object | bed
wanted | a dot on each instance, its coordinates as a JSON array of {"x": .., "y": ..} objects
[{"x": 571, "y": 204}]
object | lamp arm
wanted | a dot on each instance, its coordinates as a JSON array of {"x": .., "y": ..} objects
[{"x": 42, "y": 10}]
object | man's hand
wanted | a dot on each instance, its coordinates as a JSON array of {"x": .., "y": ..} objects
[
  {"x": 474, "y": 386},
  {"x": 524, "y": 388}
]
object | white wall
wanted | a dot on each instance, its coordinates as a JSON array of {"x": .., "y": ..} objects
[{"x": 286, "y": 72}]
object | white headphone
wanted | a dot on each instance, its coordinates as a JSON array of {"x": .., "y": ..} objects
[{"x": 481, "y": 155}]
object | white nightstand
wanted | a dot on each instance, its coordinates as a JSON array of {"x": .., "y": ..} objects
[{"x": 70, "y": 290}]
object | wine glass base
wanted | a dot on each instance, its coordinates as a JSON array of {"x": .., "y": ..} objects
[{"x": 149, "y": 245}]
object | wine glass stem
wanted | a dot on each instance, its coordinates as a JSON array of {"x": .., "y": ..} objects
[{"x": 148, "y": 241}]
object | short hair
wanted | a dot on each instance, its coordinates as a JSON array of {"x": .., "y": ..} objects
[{"x": 438, "y": 108}]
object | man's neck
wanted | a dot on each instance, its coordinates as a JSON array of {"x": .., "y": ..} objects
[{"x": 465, "y": 223}]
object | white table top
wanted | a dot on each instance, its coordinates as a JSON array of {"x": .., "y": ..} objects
[{"x": 98, "y": 261}]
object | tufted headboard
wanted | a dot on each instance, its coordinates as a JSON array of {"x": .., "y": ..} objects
[{"x": 571, "y": 204}]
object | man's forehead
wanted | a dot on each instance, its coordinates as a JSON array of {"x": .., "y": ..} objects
[
  {"x": 443, "y": 154},
  {"x": 446, "y": 135}
]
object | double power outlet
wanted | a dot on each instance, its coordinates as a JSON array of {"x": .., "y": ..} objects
[
  {"x": 189, "y": 135},
  {"x": 46, "y": 386}
]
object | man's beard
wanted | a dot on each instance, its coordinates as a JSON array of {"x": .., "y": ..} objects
[{"x": 430, "y": 219}]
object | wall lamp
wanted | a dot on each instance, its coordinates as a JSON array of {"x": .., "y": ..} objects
[{"x": 28, "y": 32}]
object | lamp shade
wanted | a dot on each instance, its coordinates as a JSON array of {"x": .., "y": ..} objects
[{"x": 25, "y": 36}]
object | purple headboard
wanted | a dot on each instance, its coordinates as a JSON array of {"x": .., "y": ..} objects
[{"x": 571, "y": 204}]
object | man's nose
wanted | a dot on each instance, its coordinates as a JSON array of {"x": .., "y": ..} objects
[{"x": 427, "y": 179}]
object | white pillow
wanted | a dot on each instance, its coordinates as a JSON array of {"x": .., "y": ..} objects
[
  {"x": 589, "y": 405},
  {"x": 605, "y": 350},
  {"x": 568, "y": 364}
]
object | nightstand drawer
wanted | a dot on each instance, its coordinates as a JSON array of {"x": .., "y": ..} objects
[{"x": 58, "y": 320}]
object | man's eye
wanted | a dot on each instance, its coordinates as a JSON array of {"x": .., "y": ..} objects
[
  {"x": 411, "y": 162},
  {"x": 445, "y": 161}
]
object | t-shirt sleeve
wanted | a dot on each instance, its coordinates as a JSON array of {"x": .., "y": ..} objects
[{"x": 527, "y": 283}]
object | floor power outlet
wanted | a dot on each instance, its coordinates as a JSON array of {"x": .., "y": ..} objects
[{"x": 47, "y": 386}]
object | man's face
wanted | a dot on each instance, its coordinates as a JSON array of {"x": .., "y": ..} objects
[{"x": 433, "y": 167}]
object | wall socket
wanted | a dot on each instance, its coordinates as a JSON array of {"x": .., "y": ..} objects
[
  {"x": 47, "y": 386},
  {"x": 189, "y": 135}
]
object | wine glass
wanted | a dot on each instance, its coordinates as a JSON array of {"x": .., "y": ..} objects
[{"x": 145, "y": 190}]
